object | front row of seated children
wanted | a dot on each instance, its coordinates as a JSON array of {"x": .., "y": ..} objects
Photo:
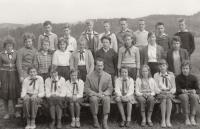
[{"x": 61, "y": 93}]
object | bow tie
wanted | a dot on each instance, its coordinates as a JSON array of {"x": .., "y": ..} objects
[
  {"x": 55, "y": 87},
  {"x": 33, "y": 82},
  {"x": 75, "y": 86},
  {"x": 9, "y": 55}
]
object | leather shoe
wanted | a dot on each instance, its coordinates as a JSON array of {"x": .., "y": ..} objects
[
  {"x": 78, "y": 125},
  {"x": 143, "y": 124},
  {"x": 96, "y": 124},
  {"x": 150, "y": 123},
  {"x": 59, "y": 125},
  {"x": 105, "y": 125},
  {"x": 127, "y": 123},
  {"x": 122, "y": 123}
]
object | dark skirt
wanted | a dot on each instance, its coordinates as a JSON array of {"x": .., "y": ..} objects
[
  {"x": 53, "y": 101},
  {"x": 79, "y": 100},
  {"x": 10, "y": 85},
  {"x": 64, "y": 72},
  {"x": 132, "y": 73},
  {"x": 160, "y": 97},
  {"x": 44, "y": 76},
  {"x": 153, "y": 67},
  {"x": 83, "y": 72}
]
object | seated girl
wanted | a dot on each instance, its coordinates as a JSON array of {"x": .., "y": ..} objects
[
  {"x": 145, "y": 92},
  {"x": 166, "y": 90},
  {"x": 32, "y": 94},
  {"x": 124, "y": 89},
  {"x": 188, "y": 92},
  {"x": 75, "y": 89},
  {"x": 55, "y": 93}
]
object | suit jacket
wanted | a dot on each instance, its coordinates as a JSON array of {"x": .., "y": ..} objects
[
  {"x": 96, "y": 40},
  {"x": 170, "y": 59},
  {"x": 144, "y": 54},
  {"x": 89, "y": 61},
  {"x": 105, "y": 85}
]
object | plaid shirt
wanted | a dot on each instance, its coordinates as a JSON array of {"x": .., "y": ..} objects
[{"x": 42, "y": 62}]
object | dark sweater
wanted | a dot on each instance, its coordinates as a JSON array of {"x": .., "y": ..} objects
[
  {"x": 187, "y": 40},
  {"x": 189, "y": 82},
  {"x": 164, "y": 41},
  {"x": 110, "y": 58},
  {"x": 170, "y": 59}
]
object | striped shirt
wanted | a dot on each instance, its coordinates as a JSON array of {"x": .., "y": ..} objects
[{"x": 42, "y": 62}]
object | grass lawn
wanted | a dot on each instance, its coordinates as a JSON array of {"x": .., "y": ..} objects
[{"x": 114, "y": 119}]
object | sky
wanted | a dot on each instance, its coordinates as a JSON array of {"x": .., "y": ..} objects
[{"x": 62, "y": 11}]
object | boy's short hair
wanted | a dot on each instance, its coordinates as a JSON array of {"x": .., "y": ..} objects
[
  {"x": 159, "y": 24},
  {"x": 127, "y": 35},
  {"x": 106, "y": 21},
  {"x": 28, "y": 35},
  {"x": 185, "y": 63},
  {"x": 53, "y": 69},
  {"x": 60, "y": 40},
  {"x": 123, "y": 19},
  {"x": 29, "y": 69},
  {"x": 9, "y": 40},
  {"x": 181, "y": 20},
  {"x": 99, "y": 59},
  {"x": 151, "y": 33},
  {"x": 67, "y": 26},
  {"x": 88, "y": 21},
  {"x": 142, "y": 20},
  {"x": 46, "y": 23},
  {"x": 106, "y": 37},
  {"x": 162, "y": 61}
]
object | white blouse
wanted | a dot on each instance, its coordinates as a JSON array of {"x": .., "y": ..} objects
[
  {"x": 130, "y": 86},
  {"x": 61, "y": 58},
  {"x": 58, "y": 89},
  {"x": 72, "y": 87},
  {"x": 27, "y": 88}
]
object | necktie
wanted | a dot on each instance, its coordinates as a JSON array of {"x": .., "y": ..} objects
[
  {"x": 75, "y": 86},
  {"x": 124, "y": 87},
  {"x": 90, "y": 37},
  {"x": 55, "y": 85},
  {"x": 81, "y": 55},
  {"x": 99, "y": 78},
  {"x": 165, "y": 81},
  {"x": 127, "y": 49},
  {"x": 10, "y": 55},
  {"x": 33, "y": 82}
]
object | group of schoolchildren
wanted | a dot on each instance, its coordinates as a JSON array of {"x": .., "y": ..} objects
[{"x": 131, "y": 66}]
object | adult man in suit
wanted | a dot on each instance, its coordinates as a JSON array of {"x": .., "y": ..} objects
[{"x": 98, "y": 88}]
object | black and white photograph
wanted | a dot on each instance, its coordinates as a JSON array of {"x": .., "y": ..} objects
[{"x": 99, "y": 64}]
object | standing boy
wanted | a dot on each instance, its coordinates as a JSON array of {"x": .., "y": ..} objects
[
  {"x": 187, "y": 38},
  {"x": 53, "y": 38},
  {"x": 72, "y": 44},
  {"x": 141, "y": 35},
  {"x": 123, "y": 22},
  {"x": 162, "y": 38},
  {"x": 91, "y": 36},
  {"x": 113, "y": 45}
]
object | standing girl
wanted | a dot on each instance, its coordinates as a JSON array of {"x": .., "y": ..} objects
[
  {"x": 129, "y": 56},
  {"x": 61, "y": 58},
  {"x": 10, "y": 86},
  {"x": 166, "y": 89}
]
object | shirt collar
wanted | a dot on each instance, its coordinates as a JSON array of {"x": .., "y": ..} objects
[
  {"x": 67, "y": 37},
  {"x": 6, "y": 52},
  {"x": 90, "y": 32},
  {"x": 48, "y": 34},
  {"x": 44, "y": 53},
  {"x": 106, "y": 50},
  {"x": 107, "y": 33},
  {"x": 75, "y": 81},
  {"x": 138, "y": 31},
  {"x": 127, "y": 30},
  {"x": 152, "y": 46},
  {"x": 166, "y": 74},
  {"x": 183, "y": 31},
  {"x": 81, "y": 50},
  {"x": 123, "y": 79},
  {"x": 164, "y": 34},
  {"x": 98, "y": 74},
  {"x": 56, "y": 78}
]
